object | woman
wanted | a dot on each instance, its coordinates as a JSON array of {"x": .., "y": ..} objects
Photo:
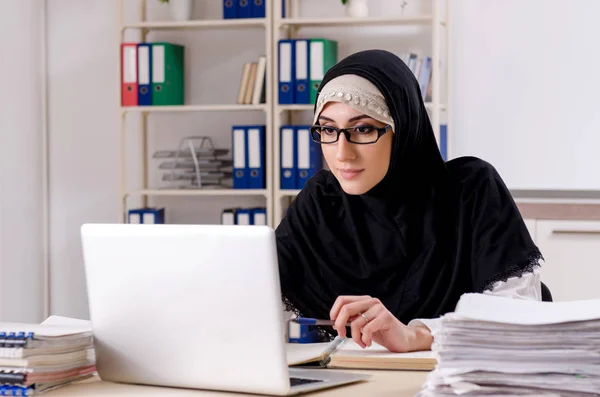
[{"x": 392, "y": 236}]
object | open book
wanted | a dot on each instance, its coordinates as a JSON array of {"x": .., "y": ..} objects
[{"x": 351, "y": 355}]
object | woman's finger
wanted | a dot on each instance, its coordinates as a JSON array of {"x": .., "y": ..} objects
[
  {"x": 344, "y": 300},
  {"x": 376, "y": 321},
  {"x": 355, "y": 327},
  {"x": 351, "y": 310}
]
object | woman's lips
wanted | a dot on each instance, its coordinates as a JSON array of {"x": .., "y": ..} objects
[{"x": 350, "y": 173}]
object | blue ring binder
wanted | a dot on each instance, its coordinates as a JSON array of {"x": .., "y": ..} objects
[
  {"x": 13, "y": 339},
  {"x": 15, "y": 390}
]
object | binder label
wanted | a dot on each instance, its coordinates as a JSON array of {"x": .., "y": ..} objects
[
  {"x": 287, "y": 155},
  {"x": 254, "y": 146},
  {"x": 317, "y": 61},
  {"x": 129, "y": 56},
  {"x": 144, "y": 65},
  {"x": 301, "y": 61},
  {"x": 239, "y": 152},
  {"x": 285, "y": 72},
  {"x": 158, "y": 64},
  {"x": 303, "y": 149}
]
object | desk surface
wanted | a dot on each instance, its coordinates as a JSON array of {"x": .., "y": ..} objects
[{"x": 381, "y": 383}]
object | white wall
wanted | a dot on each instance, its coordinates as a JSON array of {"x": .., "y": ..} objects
[
  {"x": 20, "y": 162},
  {"x": 81, "y": 39},
  {"x": 83, "y": 92},
  {"x": 525, "y": 90}
]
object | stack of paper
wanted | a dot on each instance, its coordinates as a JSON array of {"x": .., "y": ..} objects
[
  {"x": 39, "y": 357},
  {"x": 497, "y": 346}
]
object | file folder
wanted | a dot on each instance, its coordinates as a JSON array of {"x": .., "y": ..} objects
[
  {"x": 243, "y": 216},
  {"x": 228, "y": 216},
  {"x": 167, "y": 74},
  {"x": 134, "y": 216},
  {"x": 298, "y": 333},
  {"x": 255, "y": 139},
  {"x": 240, "y": 155},
  {"x": 323, "y": 55},
  {"x": 229, "y": 9},
  {"x": 286, "y": 72},
  {"x": 309, "y": 159},
  {"x": 129, "y": 74},
  {"x": 258, "y": 9},
  {"x": 259, "y": 216},
  {"x": 146, "y": 215},
  {"x": 444, "y": 141},
  {"x": 144, "y": 61},
  {"x": 287, "y": 157},
  {"x": 301, "y": 81},
  {"x": 424, "y": 75},
  {"x": 153, "y": 215},
  {"x": 244, "y": 8}
]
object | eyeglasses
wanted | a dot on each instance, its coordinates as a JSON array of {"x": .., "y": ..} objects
[{"x": 362, "y": 135}]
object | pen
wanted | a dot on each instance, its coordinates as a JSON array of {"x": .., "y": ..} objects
[{"x": 314, "y": 321}]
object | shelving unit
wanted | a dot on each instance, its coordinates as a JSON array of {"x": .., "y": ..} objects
[
  {"x": 145, "y": 27},
  {"x": 287, "y": 28},
  {"x": 275, "y": 27}
]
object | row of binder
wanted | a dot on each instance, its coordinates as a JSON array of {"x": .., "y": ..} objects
[
  {"x": 146, "y": 215},
  {"x": 249, "y": 157},
  {"x": 302, "y": 66},
  {"x": 421, "y": 68},
  {"x": 300, "y": 156},
  {"x": 234, "y": 9},
  {"x": 244, "y": 216},
  {"x": 152, "y": 74}
]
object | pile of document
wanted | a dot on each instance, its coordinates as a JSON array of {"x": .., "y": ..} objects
[
  {"x": 498, "y": 346},
  {"x": 35, "y": 358}
]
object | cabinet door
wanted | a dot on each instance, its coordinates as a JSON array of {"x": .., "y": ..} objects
[
  {"x": 572, "y": 251},
  {"x": 531, "y": 224}
]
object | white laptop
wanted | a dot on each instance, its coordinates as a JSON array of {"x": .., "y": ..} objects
[{"x": 194, "y": 306}]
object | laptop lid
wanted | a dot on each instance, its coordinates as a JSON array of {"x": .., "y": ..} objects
[{"x": 186, "y": 305}]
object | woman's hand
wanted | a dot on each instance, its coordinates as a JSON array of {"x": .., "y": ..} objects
[{"x": 372, "y": 322}]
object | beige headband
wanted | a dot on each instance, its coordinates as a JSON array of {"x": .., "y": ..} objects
[{"x": 358, "y": 93}]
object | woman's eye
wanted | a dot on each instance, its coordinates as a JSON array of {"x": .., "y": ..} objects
[
  {"x": 329, "y": 130},
  {"x": 364, "y": 129}
]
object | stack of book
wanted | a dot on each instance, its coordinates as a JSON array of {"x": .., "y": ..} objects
[
  {"x": 35, "y": 358},
  {"x": 253, "y": 83},
  {"x": 500, "y": 346}
]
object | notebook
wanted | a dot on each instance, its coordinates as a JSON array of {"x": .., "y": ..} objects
[
  {"x": 35, "y": 358},
  {"x": 23, "y": 340},
  {"x": 351, "y": 355}
]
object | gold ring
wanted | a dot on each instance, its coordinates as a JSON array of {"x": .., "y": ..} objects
[{"x": 365, "y": 317}]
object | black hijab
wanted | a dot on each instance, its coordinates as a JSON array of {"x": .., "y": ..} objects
[{"x": 427, "y": 233}]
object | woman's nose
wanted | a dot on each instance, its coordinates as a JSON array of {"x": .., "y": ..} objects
[{"x": 345, "y": 149}]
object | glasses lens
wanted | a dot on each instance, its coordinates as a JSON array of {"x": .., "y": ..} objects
[
  {"x": 363, "y": 134},
  {"x": 324, "y": 134}
]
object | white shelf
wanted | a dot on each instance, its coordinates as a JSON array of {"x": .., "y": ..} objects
[
  {"x": 288, "y": 193},
  {"x": 199, "y": 192},
  {"x": 330, "y": 22},
  {"x": 192, "y": 108},
  {"x": 199, "y": 24},
  {"x": 286, "y": 108}
]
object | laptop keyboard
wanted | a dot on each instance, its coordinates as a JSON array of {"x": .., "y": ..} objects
[{"x": 303, "y": 381}]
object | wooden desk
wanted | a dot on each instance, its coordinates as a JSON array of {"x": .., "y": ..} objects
[{"x": 382, "y": 383}]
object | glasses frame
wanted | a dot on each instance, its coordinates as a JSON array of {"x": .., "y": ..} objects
[{"x": 346, "y": 132}]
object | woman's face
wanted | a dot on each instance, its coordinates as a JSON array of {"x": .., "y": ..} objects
[{"x": 358, "y": 168}]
